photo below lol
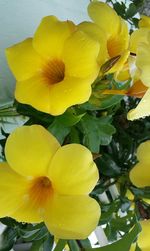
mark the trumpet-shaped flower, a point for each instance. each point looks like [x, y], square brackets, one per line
[140, 175]
[54, 69]
[42, 181]
[140, 44]
[114, 31]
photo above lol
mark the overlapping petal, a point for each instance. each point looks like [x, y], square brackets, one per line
[137, 37]
[23, 60]
[29, 150]
[51, 35]
[143, 62]
[28, 212]
[72, 217]
[101, 13]
[80, 54]
[73, 171]
[13, 188]
[94, 31]
[53, 99]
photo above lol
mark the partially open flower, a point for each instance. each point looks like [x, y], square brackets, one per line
[54, 69]
[140, 174]
[42, 181]
[113, 34]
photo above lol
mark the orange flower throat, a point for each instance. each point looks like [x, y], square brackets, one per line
[41, 190]
[54, 71]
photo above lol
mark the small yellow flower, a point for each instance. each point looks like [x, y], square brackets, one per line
[54, 69]
[140, 174]
[143, 239]
[113, 34]
[42, 181]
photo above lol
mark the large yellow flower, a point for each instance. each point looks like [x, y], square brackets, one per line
[140, 174]
[113, 34]
[140, 46]
[143, 239]
[42, 181]
[54, 69]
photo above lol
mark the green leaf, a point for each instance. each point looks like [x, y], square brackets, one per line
[69, 118]
[96, 131]
[62, 124]
[138, 248]
[123, 244]
[60, 245]
[43, 244]
[73, 245]
[59, 130]
[120, 8]
[8, 239]
[108, 166]
[34, 234]
[131, 11]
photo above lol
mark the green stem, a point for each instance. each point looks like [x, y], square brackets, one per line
[73, 245]
[60, 245]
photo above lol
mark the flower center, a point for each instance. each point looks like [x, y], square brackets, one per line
[54, 71]
[41, 190]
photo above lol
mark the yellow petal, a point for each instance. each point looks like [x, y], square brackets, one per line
[12, 190]
[143, 240]
[143, 152]
[143, 61]
[28, 212]
[103, 15]
[117, 44]
[56, 98]
[23, 60]
[97, 34]
[72, 217]
[142, 109]
[144, 22]
[138, 36]
[75, 164]
[140, 175]
[29, 150]
[80, 55]
[50, 36]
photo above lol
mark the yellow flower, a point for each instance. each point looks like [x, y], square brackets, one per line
[140, 44]
[140, 174]
[144, 21]
[54, 69]
[113, 35]
[143, 239]
[42, 181]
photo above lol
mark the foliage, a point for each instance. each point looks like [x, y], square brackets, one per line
[101, 125]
